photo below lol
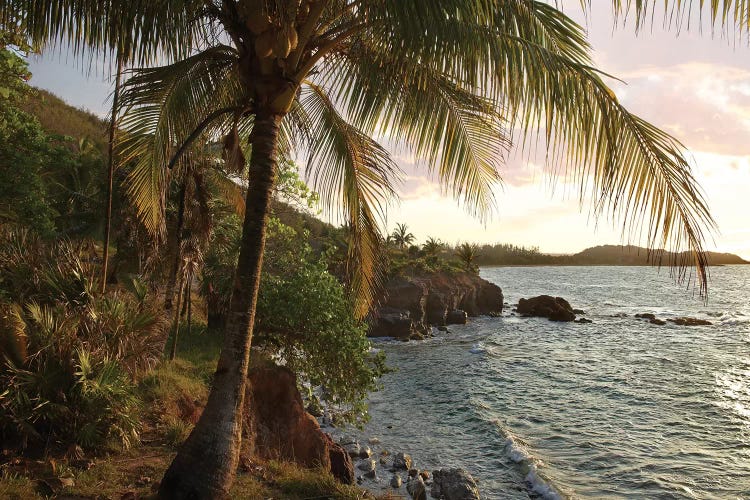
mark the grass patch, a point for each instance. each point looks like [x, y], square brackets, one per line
[16, 487]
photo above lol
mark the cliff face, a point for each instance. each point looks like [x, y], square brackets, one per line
[412, 304]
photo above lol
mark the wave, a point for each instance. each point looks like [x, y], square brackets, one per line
[537, 485]
[478, 349]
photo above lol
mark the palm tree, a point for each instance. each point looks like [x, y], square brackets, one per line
[432, 247]
[467, 253]
[401, 236]
[448, 79]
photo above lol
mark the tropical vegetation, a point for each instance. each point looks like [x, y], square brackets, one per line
[240, 85]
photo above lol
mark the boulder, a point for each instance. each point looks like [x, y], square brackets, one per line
[353, 449]
[689, 321]
[342, 467]
[583, 320]
[546, 306]
[366, 465]
[645, 316]
[456, 317]
[454, 484]
[402, 461]
[657, 321]
[416, 488]
[390, 323]
[395, 481]
[277, 427]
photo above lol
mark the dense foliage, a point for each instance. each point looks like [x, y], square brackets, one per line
[69, 357]
[304, 317]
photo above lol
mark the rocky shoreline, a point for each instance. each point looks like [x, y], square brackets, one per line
[382, 471]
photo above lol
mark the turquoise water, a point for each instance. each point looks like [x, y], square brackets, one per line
[618, 408]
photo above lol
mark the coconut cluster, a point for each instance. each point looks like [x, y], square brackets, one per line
[274, 24]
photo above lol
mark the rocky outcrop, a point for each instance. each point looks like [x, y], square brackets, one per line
[546, 306]
[411, 305]
[689, 322]
[454, 484]
[276, 425]
[684, 321]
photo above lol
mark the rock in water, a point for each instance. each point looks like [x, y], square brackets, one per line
[546, 306]
[396, 481]
[401, 461]
[353, 449]
[456, 317]
[454, 484]
[690, 322]
[416, 489]
[366, 465]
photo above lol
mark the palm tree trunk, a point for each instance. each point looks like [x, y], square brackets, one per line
[169, 292]
[173, 352]
[206, 464]
[110, 171]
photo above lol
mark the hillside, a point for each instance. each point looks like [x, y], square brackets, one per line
[58, 117]
[630, 255]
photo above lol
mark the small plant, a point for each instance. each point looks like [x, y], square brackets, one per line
[176, 431]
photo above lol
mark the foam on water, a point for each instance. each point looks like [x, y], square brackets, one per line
[528, 465]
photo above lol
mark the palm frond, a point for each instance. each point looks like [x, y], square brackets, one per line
[354, 175]
[164, 107]
[724, 14]
[139, 31]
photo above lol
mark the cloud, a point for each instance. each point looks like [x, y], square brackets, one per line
[705, 106]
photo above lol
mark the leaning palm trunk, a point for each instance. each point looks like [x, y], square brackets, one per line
[205, 466]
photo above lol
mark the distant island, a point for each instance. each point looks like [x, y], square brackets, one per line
[603, 255]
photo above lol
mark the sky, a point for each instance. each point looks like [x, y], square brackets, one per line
[694, 85]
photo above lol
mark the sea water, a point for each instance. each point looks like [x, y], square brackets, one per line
[619, 408]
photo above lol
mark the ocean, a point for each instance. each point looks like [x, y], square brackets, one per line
[619, 408]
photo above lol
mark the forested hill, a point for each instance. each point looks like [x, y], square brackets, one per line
[603, 255]
[635, 256]
[58, 117]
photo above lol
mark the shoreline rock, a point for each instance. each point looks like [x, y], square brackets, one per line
[454, 484]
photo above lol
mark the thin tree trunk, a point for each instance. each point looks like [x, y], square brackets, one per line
[183, 312]
[169, 292]
[189, 309]
[173, 353]
[111, 170]
[206, 464]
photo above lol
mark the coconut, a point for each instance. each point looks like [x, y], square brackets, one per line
[264, 43]
[255, 16]
[283, 44]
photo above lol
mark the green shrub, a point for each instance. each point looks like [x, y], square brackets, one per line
[68, 357]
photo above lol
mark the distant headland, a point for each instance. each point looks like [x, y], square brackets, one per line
[602, 255]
